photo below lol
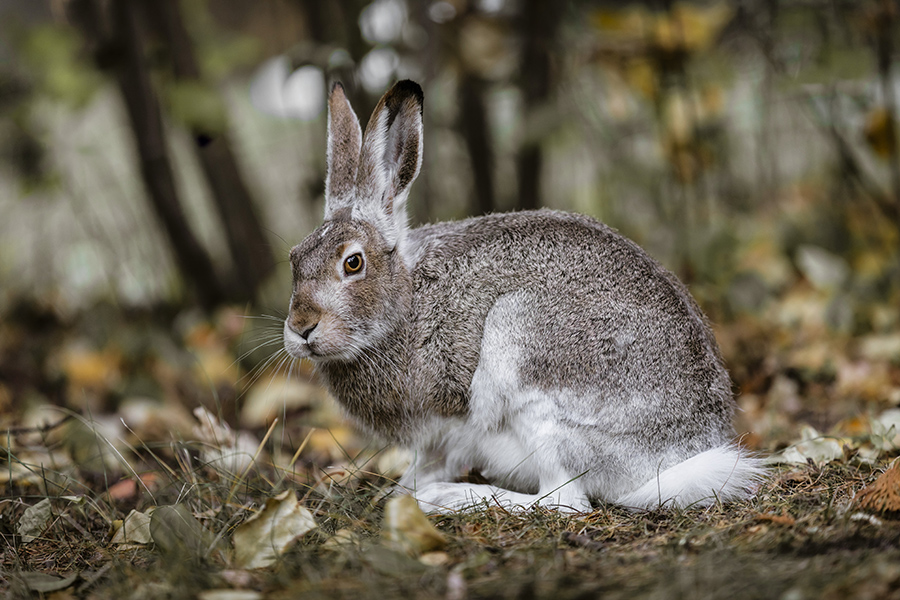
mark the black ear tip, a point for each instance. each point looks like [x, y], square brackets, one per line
[408, 87]
[335, 85]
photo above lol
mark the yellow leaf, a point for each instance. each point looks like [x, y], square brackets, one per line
[334, 441]
[640, 75]
[261, 539]
[408, 527]
[881, 132]
[632, 22]
[271, 395]
[216, 365]
[86, 368]
[691, 28]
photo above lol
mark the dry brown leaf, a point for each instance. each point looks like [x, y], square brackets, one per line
[271, 396]
[880, 132]
[408, 527]
[87, 368]
[133, 529]
[261, 539]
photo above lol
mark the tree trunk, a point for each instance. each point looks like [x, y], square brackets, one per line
[247, 242]
[121, 49]
[539, 22]
[474, 127]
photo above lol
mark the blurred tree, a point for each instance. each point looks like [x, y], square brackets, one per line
[111, 29]
[115, 32]
[539, 22]
[335, 26]
[880, 19]
[475, 128]
[250, 251]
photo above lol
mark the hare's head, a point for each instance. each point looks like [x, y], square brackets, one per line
[350, 284]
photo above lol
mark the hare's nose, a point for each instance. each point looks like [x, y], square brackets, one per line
[308, 331]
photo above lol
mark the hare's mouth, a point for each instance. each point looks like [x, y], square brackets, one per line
[295, 344]
[319, 346]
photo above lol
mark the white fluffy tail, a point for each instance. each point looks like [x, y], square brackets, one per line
[724, 473]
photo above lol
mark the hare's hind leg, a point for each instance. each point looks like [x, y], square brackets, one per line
[512, 435]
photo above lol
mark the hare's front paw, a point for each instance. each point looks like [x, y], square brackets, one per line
[451, 497]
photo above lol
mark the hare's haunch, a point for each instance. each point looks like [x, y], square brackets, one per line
[541, 348]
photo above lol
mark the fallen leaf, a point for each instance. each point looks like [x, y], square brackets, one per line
[886, 430]
[880, 132]
[880, 347]
[336, 480]
[813, 445]
[96, 444]
[34, 520]
[335, 443]
[407, 527]
[131, 487]
[178, 534]
[134, 529]
[261, 539]
[22, 471]
[271, 396]
[214, 363]
[87, 368]
[154, 419]
[223, 448]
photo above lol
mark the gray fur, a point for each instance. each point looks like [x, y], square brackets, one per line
[536, 346]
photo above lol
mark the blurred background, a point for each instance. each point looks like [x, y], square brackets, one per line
[158, 159]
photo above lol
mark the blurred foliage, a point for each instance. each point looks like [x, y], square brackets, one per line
[52, 56]
[196, 106]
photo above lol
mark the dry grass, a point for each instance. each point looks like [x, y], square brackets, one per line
[802, 536]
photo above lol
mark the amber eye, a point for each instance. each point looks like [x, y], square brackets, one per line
[353, 264]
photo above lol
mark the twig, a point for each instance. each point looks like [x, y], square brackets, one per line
[36, 429]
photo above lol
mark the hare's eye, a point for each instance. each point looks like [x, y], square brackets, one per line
[353, 264]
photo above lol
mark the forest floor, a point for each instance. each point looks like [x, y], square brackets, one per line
[117, 485]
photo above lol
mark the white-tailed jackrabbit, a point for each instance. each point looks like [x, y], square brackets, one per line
[541, 348]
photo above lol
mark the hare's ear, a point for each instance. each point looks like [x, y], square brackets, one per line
[344, 143]
[390, 161]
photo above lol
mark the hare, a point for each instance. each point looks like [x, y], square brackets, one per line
[541, 348]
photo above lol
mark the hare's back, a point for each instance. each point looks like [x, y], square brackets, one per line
[581, 308]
